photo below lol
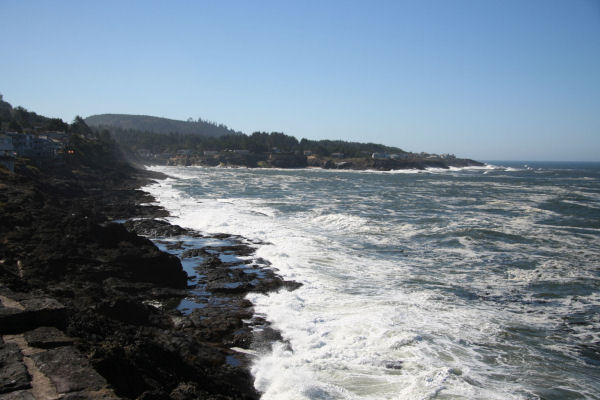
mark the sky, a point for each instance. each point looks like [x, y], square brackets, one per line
[484, 79]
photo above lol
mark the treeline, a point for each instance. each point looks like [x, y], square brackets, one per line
[93, 146]
[258, 142]
[149, 123]
[18, 119]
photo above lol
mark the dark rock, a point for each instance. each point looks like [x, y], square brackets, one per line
[287, 160]
[238, 249]
[155, 228]
[68, 370]
[13, 373]
[393, 364]
[186, 391]
[125, 310]
[18, 395]
[102, 394]
[175, 245]
[72, 269]
[157, 394]
[37, 312]
[47, 337]
[328, 164]
[191, 253]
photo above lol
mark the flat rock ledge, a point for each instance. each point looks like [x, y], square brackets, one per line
[40, 362]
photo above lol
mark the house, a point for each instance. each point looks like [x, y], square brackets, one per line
[241, 151]
[380, 156]
[337, 155]
[34, 146]
[6, 144]
[184, 152]
[57, 135]
[210, 152]
[42, 147]
[143, 152]
[402, 156]
[307, 153]
[7, 152]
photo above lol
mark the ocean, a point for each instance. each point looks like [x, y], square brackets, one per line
[475, 283]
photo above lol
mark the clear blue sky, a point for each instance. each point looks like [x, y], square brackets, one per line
[508, 80]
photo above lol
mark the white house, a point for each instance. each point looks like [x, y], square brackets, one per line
[380, 156]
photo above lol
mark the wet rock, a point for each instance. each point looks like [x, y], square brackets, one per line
[394, 364]
[220, 321]
[13, 373]
[191, 253]
[156, 228]
[237, 249]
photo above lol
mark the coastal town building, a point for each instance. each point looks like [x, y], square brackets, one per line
[40, 147]
[144, 153]
[380, 156]
[337, 155]
[7, 152]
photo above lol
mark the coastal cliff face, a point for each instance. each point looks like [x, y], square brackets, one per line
[79, 293]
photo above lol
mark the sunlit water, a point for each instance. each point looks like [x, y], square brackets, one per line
[476, 283]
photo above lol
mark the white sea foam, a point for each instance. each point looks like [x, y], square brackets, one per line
[386, 309]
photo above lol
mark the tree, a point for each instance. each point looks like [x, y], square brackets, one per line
[14, 126]
[79, 126]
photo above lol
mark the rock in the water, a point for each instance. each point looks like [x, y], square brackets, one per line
[156, 228]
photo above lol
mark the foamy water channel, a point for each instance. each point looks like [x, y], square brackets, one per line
[462, 284]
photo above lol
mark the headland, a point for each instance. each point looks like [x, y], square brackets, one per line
[90, 307]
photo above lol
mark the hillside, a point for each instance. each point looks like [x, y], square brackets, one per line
[159, 125]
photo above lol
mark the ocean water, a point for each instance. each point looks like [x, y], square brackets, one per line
[478, 283]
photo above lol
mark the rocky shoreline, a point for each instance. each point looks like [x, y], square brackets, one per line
[93, 309]
[291, 160]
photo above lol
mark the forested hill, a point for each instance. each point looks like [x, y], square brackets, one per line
[159, 125]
